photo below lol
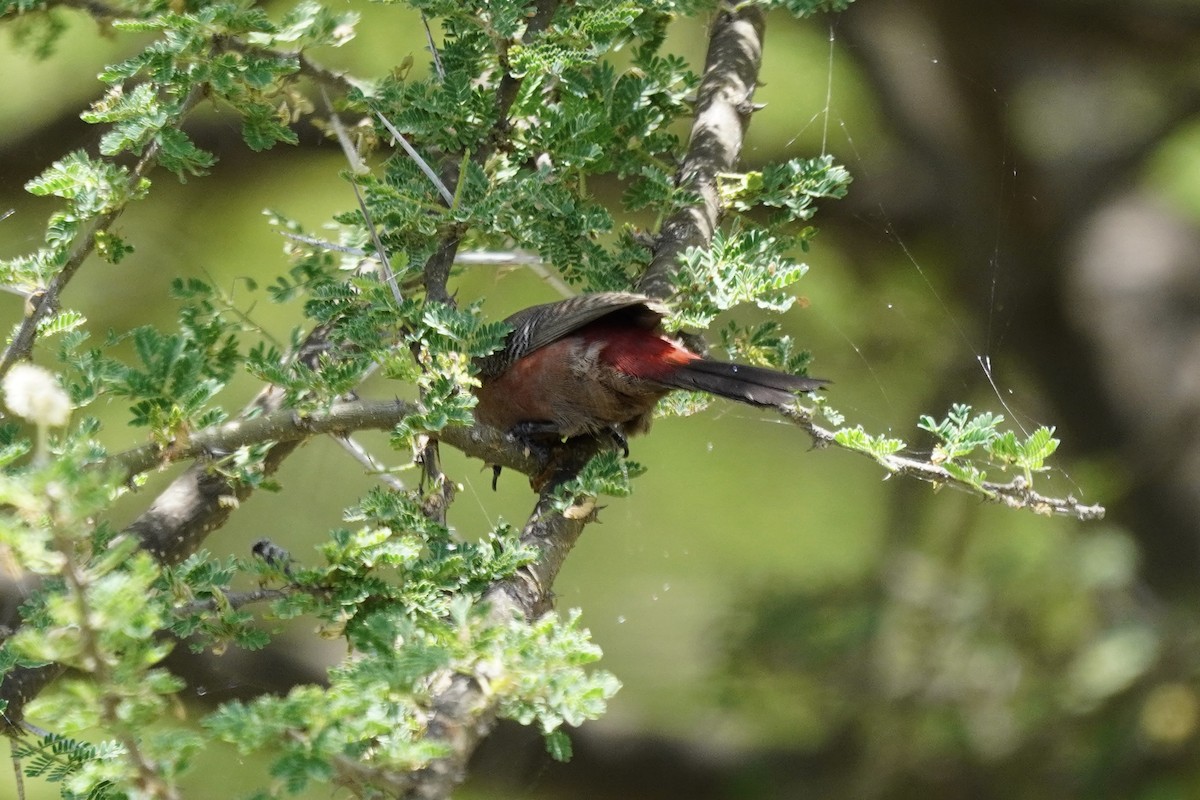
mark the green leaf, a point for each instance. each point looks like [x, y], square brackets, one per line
[94, 186]
[959, 434]
[744, 265]
[607, 473]
[807, 8]
[791, 186]
[879, 447]
[180, 155]
[1040, 445]
[262, 127]
[558, 745]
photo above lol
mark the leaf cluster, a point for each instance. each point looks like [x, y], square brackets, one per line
[960, 434]
[749, 261]
[406, 596]
[964, 446]
[56, 758]
[574, 114]
[171, 379]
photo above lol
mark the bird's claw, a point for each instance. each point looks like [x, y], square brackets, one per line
[532, 438]
[543, 442]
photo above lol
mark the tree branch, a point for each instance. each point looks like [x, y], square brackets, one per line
[1016, 494]
[232, 600]
[44, 304]
[286, 425]
[281, 425]
[463, 712]
[723, 109]
[437, 269]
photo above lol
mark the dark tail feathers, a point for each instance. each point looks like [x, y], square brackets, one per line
[754, 385]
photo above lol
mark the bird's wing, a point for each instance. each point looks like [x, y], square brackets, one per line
[549, 322]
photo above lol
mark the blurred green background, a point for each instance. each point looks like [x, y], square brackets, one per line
[1021, 235]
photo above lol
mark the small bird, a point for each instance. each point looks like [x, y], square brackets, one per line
[597, 364]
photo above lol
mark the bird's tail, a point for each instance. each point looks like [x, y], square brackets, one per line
[754, 385]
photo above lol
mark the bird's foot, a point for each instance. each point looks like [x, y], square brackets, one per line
[556, 458]
[537, 440]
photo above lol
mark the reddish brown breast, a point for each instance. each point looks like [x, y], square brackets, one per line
[527, 390]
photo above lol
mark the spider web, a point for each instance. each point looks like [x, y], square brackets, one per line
[978, 343]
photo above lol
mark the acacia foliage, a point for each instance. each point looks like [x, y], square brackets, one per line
[491, 146]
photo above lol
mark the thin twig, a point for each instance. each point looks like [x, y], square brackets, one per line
[44, 304]
[553, 281]
[324, 244]
[248, 321]
[358, 167]
[421, 162]
[437, 59]
[233, 600]
[360, 454]
[1016, 494]
[18, 775]
[341, 81]
[501, 258]
[486, 258]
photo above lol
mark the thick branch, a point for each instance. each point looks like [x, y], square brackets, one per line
[288, 425]
[200, 502]
[463, 712]
[280, 425]
[723, 113]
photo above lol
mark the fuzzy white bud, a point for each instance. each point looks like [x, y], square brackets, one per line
[33, 393]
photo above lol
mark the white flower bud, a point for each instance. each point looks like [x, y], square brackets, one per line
[33, 393]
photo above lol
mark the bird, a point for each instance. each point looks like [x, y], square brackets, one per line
[597, 364]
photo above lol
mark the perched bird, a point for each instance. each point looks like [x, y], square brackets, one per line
[597, 364]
